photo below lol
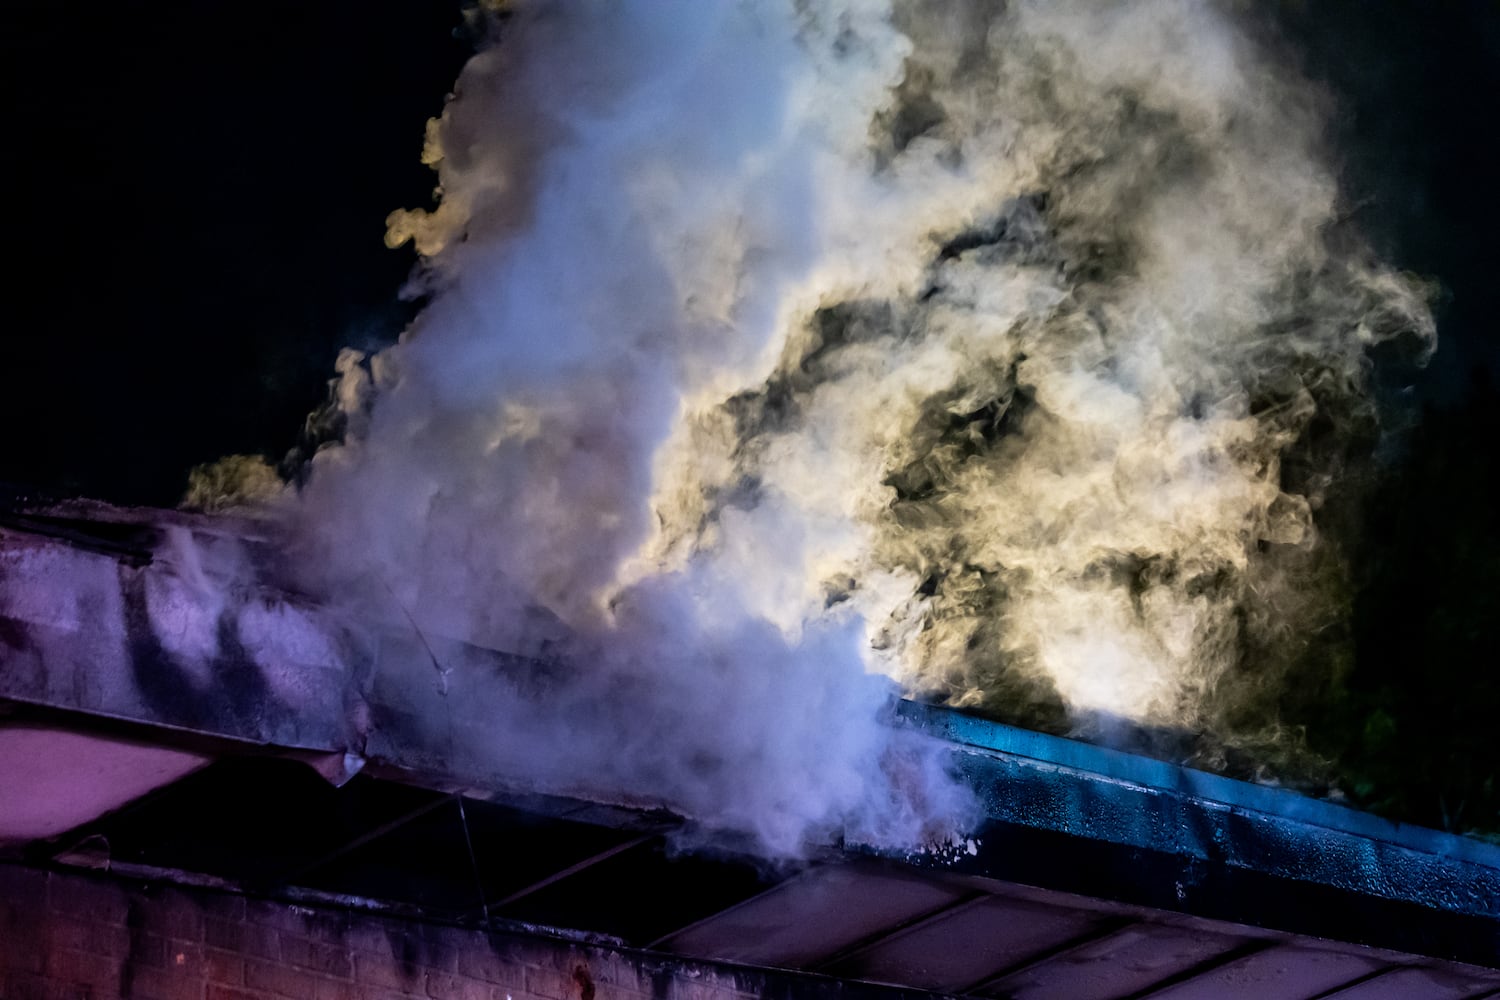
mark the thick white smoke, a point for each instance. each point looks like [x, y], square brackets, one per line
[776, 346]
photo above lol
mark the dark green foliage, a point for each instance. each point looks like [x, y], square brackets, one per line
[1414, 727]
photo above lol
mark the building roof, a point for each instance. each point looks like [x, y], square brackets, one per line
[1095, 873]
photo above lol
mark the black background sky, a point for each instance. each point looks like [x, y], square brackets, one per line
[196, 200]
[195, 196]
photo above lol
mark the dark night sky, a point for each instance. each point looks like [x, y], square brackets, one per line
[195, 211]
[197, 196]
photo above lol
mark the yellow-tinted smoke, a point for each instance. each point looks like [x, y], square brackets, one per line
[773, 343]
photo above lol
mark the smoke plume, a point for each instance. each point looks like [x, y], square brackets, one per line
[776, 349]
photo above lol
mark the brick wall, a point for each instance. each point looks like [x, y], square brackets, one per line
[67, 935]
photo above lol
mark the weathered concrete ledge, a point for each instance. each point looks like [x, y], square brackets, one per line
[152, 617]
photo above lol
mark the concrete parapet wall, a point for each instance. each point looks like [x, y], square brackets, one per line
[178, 634]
